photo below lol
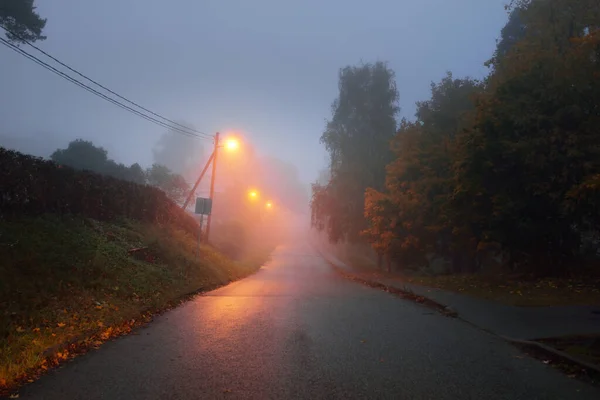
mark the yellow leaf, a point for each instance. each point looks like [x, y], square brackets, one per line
[61, 324]
[20, 329]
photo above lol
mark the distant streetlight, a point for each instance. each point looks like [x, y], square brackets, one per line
[253, 194]
[269, 204]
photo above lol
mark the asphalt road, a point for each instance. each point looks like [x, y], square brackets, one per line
[297, 330]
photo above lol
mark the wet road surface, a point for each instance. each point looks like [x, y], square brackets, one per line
[297, 330]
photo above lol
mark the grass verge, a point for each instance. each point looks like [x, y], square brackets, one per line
[70, 283]
[565, 364]
[583, 347]
[517, 291]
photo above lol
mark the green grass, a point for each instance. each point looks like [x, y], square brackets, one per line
[68, 278]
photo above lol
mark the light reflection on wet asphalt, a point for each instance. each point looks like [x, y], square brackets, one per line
[297, 330]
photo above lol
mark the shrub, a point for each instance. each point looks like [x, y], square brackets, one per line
[31, 185]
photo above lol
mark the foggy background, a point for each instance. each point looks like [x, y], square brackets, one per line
[265, 68]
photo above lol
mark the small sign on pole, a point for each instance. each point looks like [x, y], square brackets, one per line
[203, 206]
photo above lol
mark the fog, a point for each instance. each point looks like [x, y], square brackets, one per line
[265, 71]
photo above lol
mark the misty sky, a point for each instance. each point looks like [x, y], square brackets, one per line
[267, 68]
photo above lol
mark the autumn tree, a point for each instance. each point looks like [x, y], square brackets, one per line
[357, 139]
[534, 147]
[411, 217]
[21, 21]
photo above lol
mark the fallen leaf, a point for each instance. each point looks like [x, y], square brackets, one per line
[20, 329]
[14, 396]
[363, 341]
[61, 324]
[546, 361]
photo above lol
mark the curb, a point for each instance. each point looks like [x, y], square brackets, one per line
[447, 311]
[406, 294]
[560, 354]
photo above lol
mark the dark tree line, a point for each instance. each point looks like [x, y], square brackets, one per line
[84, 155]
[509, 165]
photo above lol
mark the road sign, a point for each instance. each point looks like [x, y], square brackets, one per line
[203, 206]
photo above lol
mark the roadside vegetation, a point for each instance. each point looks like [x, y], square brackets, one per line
[84, 262]
[492, 188]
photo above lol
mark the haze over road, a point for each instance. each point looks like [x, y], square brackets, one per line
[297, 330]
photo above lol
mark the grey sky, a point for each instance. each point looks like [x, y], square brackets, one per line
[265, 67]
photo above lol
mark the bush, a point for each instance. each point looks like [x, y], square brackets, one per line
[33, 186]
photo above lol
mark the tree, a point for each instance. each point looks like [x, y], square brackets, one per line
[512, 33]
[534, 139]
[411, 218]
[21, 21]
[174, 185]
[357, 139]
[137, 174]
[82, 154]
[181, 154]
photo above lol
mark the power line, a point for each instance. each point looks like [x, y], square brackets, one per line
[189, 132]
[93, 91]
[103, 87]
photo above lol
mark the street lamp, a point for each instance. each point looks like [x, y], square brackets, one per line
[253, 194]
[230, 144]
[269, 205]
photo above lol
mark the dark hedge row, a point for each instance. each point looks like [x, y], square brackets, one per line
[31, 185]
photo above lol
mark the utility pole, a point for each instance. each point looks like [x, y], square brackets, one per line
[212, 183]
[189, 197]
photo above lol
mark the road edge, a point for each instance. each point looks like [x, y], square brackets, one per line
[83, 344]
[448, 311]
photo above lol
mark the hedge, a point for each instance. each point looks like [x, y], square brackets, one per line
[31, 185]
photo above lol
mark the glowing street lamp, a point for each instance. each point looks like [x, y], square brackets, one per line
[253, 194]
[269, 205]
[232, 144]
